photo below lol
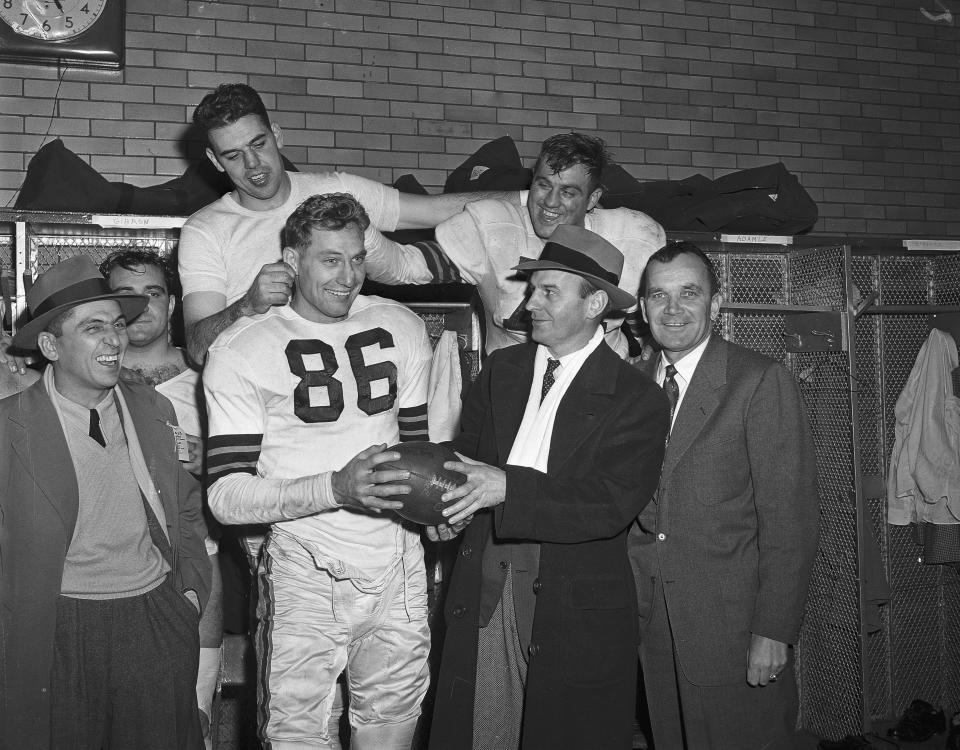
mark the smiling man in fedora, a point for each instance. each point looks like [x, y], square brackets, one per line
[103, 569]
[541, 610]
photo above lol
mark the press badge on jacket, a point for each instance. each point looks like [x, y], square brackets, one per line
[180, 440]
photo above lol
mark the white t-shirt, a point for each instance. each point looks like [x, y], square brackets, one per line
[224, 245]
[289, 398]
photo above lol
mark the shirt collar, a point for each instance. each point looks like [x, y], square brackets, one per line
[686, 365]
[77, 410]
[544, 354]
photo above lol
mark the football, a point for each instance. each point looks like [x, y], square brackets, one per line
[428, 480]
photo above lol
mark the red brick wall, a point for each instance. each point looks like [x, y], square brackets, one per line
[859, 99]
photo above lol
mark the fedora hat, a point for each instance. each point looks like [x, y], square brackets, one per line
[69, 283]
[579, 251]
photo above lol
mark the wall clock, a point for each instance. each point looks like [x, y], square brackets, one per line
[87, 33]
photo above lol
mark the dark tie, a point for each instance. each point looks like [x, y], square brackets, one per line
[548, 379]
[95, 432]
[671, 388]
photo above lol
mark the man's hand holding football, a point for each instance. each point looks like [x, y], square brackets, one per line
[360, 484]
[486, 486]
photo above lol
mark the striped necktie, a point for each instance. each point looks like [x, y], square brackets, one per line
[671, 388]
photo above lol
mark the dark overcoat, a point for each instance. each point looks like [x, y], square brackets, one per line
[603, 467]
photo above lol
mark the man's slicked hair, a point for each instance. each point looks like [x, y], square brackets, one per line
[674, 249]
[226, 104]
[330, 211]
[133, 260]
[565, 150]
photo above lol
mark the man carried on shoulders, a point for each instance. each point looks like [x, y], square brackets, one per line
[482, 244]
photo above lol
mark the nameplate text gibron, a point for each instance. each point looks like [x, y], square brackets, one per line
[134, 221]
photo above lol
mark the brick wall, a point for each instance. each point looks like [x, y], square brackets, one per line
[859, 99]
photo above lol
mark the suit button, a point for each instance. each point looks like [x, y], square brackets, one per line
[661, 536]
[459, 611]
[504, 564]
[534, 649]
[537, 586]
[466, 551]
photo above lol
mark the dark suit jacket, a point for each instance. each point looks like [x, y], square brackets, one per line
[737, 507]
[604, 461]
[38, 510]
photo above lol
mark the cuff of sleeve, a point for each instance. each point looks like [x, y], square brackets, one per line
[306, 495]
[323, 488]
[391, 210]
[192, 283]
[515, 519]
[775, 631]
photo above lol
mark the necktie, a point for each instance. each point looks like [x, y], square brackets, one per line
[671, 388]
[95, 432]
[548, 379]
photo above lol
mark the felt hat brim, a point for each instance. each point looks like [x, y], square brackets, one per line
[131, 305]
[619, 299]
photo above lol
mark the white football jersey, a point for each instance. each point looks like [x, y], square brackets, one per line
[289, 398]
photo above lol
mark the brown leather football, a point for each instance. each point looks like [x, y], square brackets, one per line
[428, 479]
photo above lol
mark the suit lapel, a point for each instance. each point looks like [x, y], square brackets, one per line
[699, 402]
[151, 431]
[38, 440]
[587, 399]
[156, 444]
[510, 387]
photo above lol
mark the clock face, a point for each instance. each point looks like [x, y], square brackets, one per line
[51, 20]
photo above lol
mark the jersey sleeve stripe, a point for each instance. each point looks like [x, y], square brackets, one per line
[420, 433]
[443, 269]
[413, 423]
[412, 412]
[229, 454]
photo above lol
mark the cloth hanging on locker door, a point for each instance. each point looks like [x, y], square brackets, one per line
[923, 483]
[446, 385]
